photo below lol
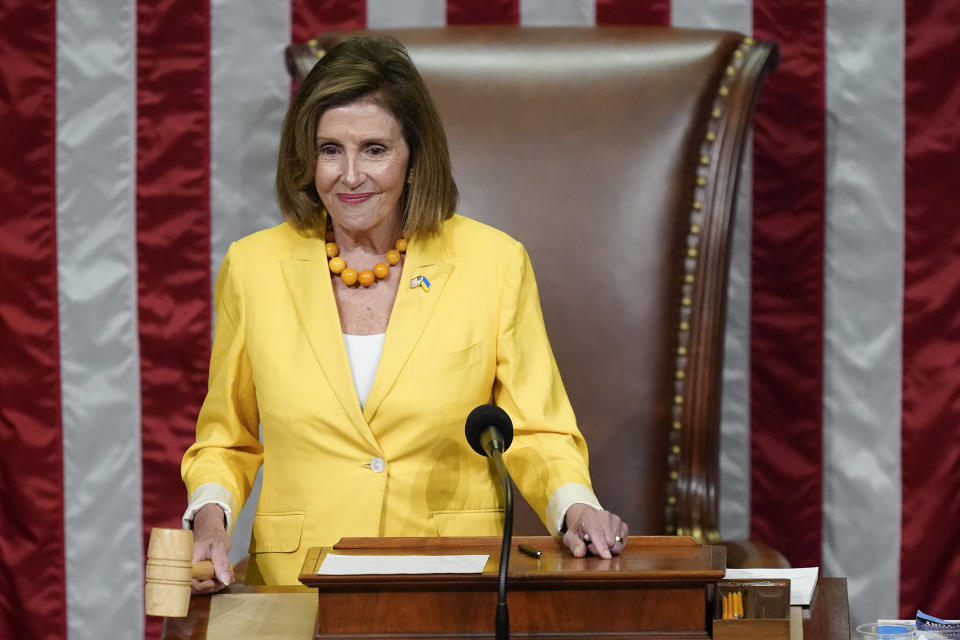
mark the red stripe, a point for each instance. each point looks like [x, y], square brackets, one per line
[310, 18]
[930, 448]
[786, 330]
[32, 579]
[173, 242]
[488, 12]
[651, 12]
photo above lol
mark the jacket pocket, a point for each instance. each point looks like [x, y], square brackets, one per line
[445, 362]
[469, 522]
[276, 532]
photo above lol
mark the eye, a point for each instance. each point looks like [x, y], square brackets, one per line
[376, 150]
[327, 150]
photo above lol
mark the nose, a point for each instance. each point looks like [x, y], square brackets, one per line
[352, 175]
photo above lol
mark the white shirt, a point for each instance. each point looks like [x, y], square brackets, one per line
[364, 353]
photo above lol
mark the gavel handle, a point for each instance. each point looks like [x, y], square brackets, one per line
[203, 570]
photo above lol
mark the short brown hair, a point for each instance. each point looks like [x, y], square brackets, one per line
[377, 68]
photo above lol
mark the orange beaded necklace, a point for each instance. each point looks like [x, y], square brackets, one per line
[349, 276]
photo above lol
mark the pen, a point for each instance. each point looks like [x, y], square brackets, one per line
[530, 551]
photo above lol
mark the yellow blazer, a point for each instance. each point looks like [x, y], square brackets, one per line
[279, 361]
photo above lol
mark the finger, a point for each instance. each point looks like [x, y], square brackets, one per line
[595, 537]
[200, 552]
[609, 525]
[612, 527]
[621, 538]
[602, 534]
[599, 545]
[221, 564]
[203, 587]
[576, 545]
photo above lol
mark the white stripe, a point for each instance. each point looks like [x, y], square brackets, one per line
[249, 91]
[735, 401]
[390, 14]
[863, 302]
[735, 410]
[735, 15]
[96, 134]
[558, 13]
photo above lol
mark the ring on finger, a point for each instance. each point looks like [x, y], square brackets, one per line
[619, 538]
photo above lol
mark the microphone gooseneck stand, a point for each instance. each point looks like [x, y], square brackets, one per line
[489, 432]
[503, 616]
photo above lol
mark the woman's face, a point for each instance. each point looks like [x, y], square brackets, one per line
[361, 166]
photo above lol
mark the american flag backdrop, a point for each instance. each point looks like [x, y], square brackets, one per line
[138, 139]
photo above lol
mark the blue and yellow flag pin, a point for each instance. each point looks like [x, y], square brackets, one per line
[420, 281]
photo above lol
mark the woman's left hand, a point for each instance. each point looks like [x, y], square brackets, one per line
[600, 532]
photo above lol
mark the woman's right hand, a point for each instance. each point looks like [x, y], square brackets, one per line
[210, 542]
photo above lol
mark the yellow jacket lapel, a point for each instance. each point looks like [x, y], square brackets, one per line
[308, 282]
[411, 313]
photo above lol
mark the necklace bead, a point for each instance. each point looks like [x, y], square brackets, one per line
[366, 277]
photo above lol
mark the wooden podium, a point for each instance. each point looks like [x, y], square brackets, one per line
[655, 583]
[657, 588]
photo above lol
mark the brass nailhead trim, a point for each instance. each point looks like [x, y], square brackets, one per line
[695, 230]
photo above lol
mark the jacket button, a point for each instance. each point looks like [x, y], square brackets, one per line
[377, 465]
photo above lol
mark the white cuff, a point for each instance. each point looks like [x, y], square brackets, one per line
[565, 497]
[205, 494]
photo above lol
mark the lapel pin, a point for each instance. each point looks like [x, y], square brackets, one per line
[420, 281]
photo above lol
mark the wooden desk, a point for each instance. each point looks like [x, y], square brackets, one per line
[828, 617]
[658, 583]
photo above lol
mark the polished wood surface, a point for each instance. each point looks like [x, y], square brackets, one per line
[827, 618]
[647, 559]
[656, 585]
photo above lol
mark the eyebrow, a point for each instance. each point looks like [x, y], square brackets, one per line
[382, 141]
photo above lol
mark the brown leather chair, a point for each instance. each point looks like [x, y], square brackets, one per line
[613, 155]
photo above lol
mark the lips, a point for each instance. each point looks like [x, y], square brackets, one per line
[354, 198]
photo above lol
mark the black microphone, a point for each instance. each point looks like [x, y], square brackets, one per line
[490, 432]
[488, 428]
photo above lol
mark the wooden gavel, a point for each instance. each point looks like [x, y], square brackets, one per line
[168, 573]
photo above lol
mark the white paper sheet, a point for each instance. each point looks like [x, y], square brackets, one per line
[343, 565]
[802, 580]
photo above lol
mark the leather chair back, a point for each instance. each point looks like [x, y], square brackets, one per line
[613, 155]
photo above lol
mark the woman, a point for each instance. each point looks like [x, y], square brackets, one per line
[360, 334]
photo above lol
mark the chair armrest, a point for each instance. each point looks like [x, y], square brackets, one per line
[744, 554]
